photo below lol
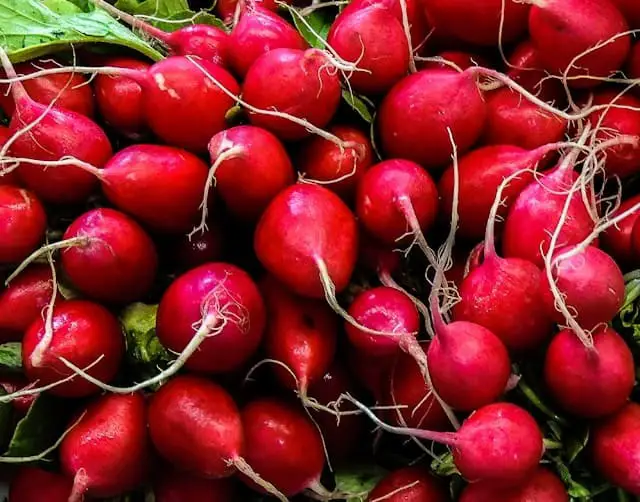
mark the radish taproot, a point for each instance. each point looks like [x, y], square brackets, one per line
[177, 486]
[409, 484]
[23, 223]
[617, 240]
[30, 483]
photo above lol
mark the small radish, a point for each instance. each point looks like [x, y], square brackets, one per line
[617, 240]
[258, 31]
[526, 68]
[424, 105]
[315, 84]
[107, 452]
[177, 486]
[338, 169]
[409, 484]
[120, 255]
[582, 37]
[23, 223]
[589, 383]
[30, 483]
[190, 252]
[222, 299]
[11, 383]
[309, 227]
[82, 333]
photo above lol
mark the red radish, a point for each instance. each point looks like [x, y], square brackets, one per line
[372, 373]
[301, 333]
[615, 448]
[308, 226]
[424, 105]
[22, 301]
[222, 298]
[409, 484]
[394, 197]
[339, 169]
[563, 30]
[85, 334]
[526, 68]
[631, 11]
[23, 223]
[10, 176]
[257, 32]
[30, 483]
[119, 99]
[462, 60]
[176, 486]
[542, 485]
[590, 283]
[617, 240]
[107, 452]
[375, 40]
[188, 252]
[315, 89]
[250, 167]
[589, 383]
[120, 255]
[15, 383]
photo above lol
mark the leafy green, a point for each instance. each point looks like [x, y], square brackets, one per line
[11, 356]
[164, 14]
[629, 315]
[37, 430]
[313, 27]
[360, 104]
[356, 482]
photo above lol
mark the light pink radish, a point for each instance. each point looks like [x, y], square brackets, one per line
[177, 486]
[409, 484]
[617, 240]
[30, 483]
[526, 68]
[23, 223]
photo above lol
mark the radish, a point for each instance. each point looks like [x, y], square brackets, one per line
[308, 226]
[633, 63]
[373, 38]
[107, 452]
[203, 247]
[460, 59]
[589, 383]
[617, 240]
[543, 485]
[258, 31]
[409, 484]
[224, 301]
[309, 74]
[176, 486]
[226, 9]
[47, 343]
[120, 255]
[579, 38]
[7, 176]
[339, 169]
[250, 167]
[409, 113]
[526, 68]
[635, 242]
[30, 483]
[13, 384]
[615, 448]
[21, 302]
[23, 223]
[631, 11]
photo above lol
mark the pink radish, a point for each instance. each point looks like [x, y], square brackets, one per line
[574, 36]
[526, 68]
[308, 226]
[250, 167]
[189, 252]
[177, 486]
[120, 255]
[30, 483]
[309, 73]
[219, 296]
[617, 240]
[23, 223]
[81, 332]
[589, 383]
[631, 11]
[409, 484]
[107, 452]
[409, 113]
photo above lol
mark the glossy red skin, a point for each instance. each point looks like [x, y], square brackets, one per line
[10, 178]
[534, 215]
[191, 119]
[201, 248]
[383, 309]
[82, 332]
[462, 60]
[542, 485]
[122, 258]
[249, 180]
[505, 295]
[322, 160]
[301, 333]
[372, 373]
[13, 383]
[258, 31]
[119, 99]
[282, 445]
[30, 483]
[480, 173]
[110, 445]
[477, 23]
[160, 186]
[176, 486]
[409, 484]
[312, 90]
[202, 40]
[195, 424]
[305, 223]
[23, 223]
[617, 240]
[592, 286]
[181, 308]
[408, 114]
[615, 444]
[513, 120]
[589, 384]
[376, 39]
[631, 11]
[563, 29]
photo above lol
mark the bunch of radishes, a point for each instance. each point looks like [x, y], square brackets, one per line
[310, 287]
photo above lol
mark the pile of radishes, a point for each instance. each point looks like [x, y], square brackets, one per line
[385, 233]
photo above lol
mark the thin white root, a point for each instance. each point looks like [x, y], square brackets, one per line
[407, 32]
[243, 467]
[45, 342]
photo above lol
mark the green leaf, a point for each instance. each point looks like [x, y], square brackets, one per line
[357, 482]
[164, 14]
[29, 29]
[313, 27]
[360, 104]
[37, 430]
[444, 465]
[629, 314]
[11, 356]
[576, 443]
